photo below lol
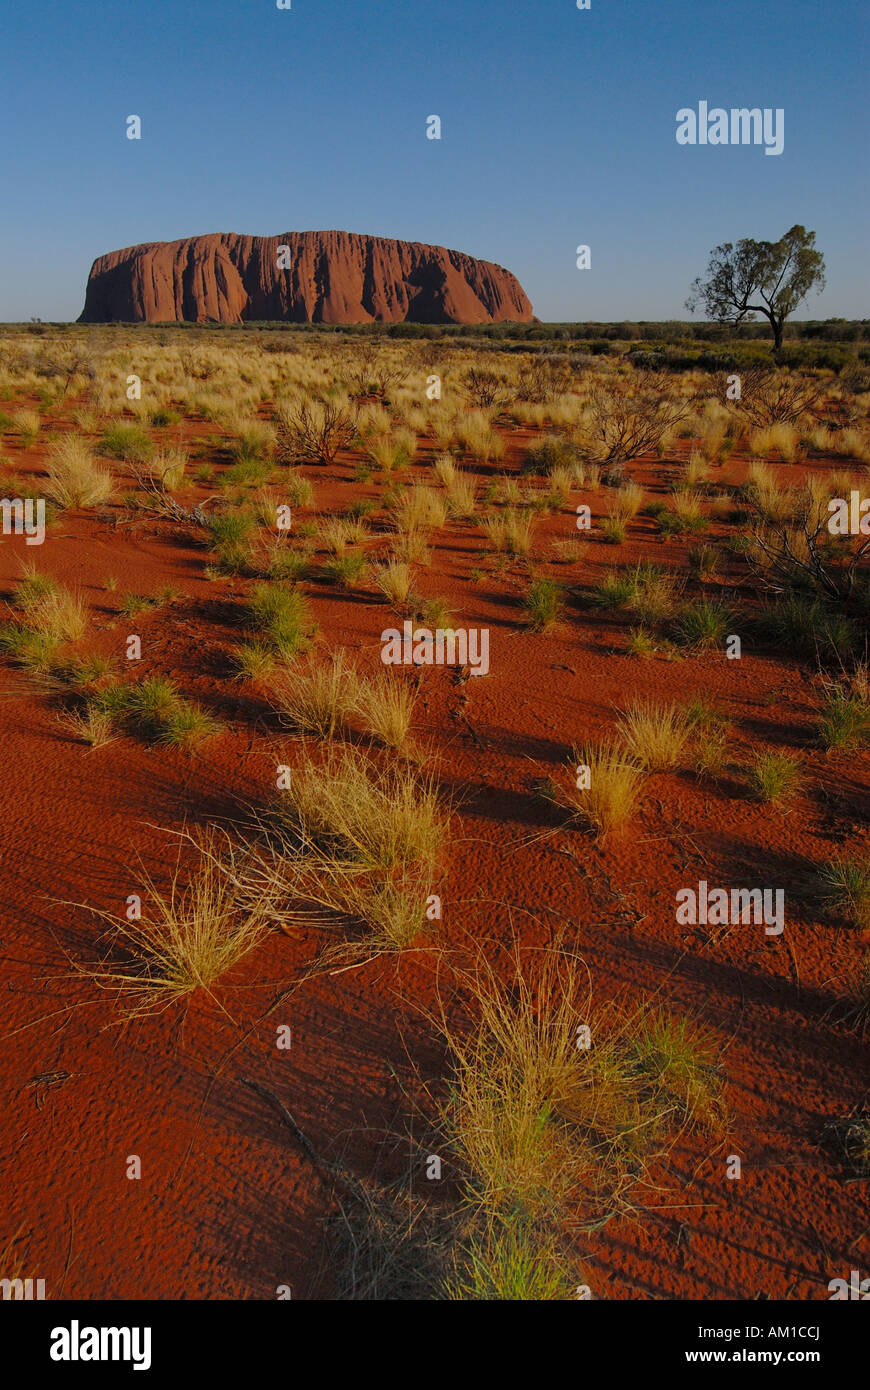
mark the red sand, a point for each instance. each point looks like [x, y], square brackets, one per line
[229, 1205]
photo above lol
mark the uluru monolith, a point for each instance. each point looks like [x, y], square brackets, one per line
[299, 277]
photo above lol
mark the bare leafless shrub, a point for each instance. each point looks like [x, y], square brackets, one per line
[374, 374]
[545, 379]
[157, 497]
[769, 398]
[313, 431]
[485, 389]
[632, 420]
[798, 552]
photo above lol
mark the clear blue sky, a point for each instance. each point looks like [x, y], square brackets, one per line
[559, 128]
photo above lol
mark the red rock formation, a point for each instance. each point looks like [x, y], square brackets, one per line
[334, 277]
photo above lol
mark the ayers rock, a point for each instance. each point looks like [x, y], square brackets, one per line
[334, 277]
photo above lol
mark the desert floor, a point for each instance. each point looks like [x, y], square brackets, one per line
[231, 1204]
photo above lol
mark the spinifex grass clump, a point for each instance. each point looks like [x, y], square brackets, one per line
[695, 474]
[255, 661]
[134, 604]
[345, 570]
[92, 725]
[476, 436]
[230, 528]
[254, 445]
[386, 707]
[649, 592]
[391, 908]
[128, 442]
[352, 841]
[513, 1066]
[548, 453]
[462, 496]
[151, 703]
[168, 468]
[339, 532]
[394, 579]
[188, 726]
[705, 623]
[48, 607]
[434, 612]
[627, 501]
[510, 533]
[710, 731]
[654, 593]
[28, 424]
[33, 588]
[774, 777]
[421, 509]
[569, 552]
[606, 786]
[704, 561]
[85, 675]
[75, 479]
[762, 489]
[298, 489]
[615, 590]
[155, 708]
[561, 484]
[282, 562]
[678, 1063]
[350, 812]
[444, 468]
[543, 604]
[229, 536]
[852, 1134]
[320, 698]
[846, 889]
[190, 932]
[281, 618]
[410, 548]
[845, 718]
[655, 735]
[641, 643]
[683, 515]
[807, 627]
[33, 650]
[510, 1261]
[45, 615]
[556, 1111]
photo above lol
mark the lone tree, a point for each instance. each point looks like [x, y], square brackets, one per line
[778, 273]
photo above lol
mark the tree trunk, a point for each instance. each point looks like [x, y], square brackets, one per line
[777, 337]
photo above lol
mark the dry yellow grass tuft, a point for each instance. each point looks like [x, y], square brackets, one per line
[386, 705]
[395, 580]
[606, 787]
[421, 509]
[552, 1128]
[190, 933]
[627, 502]
[655, 734]
[318, 698]
[348, 812]
[75, 479]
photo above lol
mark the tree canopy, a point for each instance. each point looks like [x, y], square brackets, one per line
[760, 277]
